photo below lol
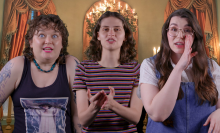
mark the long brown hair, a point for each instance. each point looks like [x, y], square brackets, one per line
[127, 52]
[204, 85]
[50, 21]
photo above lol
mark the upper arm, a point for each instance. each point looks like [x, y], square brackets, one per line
[216, 76]
[71, 68]
[218, 104]
[10, 77]
[148, 92]
[82, 100]
[136, 103]
[148, 83]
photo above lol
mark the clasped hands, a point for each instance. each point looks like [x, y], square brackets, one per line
[101, 100]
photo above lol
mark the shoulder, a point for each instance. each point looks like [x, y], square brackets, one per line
[214, 66]
[71, 61]
[132, 64]
[14, 69]
[13, 63]
[148, 62]
[148, 65]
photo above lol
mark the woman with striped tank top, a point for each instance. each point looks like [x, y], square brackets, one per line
[106, 84]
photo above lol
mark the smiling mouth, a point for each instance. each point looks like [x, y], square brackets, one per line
[47, 49]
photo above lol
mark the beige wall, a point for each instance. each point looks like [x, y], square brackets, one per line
[1, 18]
[218, 19]
[150, 20]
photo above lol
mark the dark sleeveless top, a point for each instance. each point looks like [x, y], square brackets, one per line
[39, 110]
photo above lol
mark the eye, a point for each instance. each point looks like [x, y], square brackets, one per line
[116, 29]
[187, 30]
[41, 35]
[55, 36]
[106, 29]
[173, 29]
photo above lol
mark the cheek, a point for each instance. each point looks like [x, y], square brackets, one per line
[121, 36]
[170, 39]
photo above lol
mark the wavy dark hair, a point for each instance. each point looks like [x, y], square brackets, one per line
[127, 52]
[49, 21]
[204, 85]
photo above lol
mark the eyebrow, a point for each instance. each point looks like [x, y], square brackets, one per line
[43, 30]
[177, 25]
[109, 26]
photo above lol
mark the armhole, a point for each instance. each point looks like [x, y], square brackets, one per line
[24, 72]
[76, 62]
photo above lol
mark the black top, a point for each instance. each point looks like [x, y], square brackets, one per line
[39, 110]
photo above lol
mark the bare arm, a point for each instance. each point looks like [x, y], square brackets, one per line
[10, 76]
[71, 66]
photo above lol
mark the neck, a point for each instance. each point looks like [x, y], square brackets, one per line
[45, 62]
[110, 58]
[175, 57]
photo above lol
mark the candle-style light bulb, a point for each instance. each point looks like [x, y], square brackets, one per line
[118, 5]
[158, 49]
[126, 6]
[154, 51]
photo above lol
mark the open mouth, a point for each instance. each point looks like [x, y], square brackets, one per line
[179, 43]
[47, 49]
[111, 40]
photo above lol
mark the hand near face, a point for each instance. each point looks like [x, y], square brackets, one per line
[110, 97]
[214, 120]
[98, 99]
[187, 54]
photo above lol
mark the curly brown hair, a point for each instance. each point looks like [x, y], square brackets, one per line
[204, 85]
[49, 21]
[127, 52]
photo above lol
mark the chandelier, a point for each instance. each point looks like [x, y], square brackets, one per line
[114, 6]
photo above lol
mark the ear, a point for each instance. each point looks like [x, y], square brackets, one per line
[31, 43]
[98, 36]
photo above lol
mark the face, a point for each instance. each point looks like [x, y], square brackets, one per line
[177, 43]
[46, 43]
[111, 34]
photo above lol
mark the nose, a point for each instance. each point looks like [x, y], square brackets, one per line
[48, 40]
[111, 32]
[180, 33]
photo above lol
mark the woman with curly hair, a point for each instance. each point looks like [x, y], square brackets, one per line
[180, 85]
[44, 74]
[106, 84]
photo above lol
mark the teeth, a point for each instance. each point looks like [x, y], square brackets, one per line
[179, 43]
[47, 49]
[110, 40]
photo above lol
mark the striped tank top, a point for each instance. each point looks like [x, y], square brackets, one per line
[91, 75]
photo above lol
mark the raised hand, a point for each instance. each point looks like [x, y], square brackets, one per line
[187, 54]
[214, 120]
[98, 99]
[110, 98]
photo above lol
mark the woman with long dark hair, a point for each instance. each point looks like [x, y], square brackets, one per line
[180, 85]
[106, 84]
